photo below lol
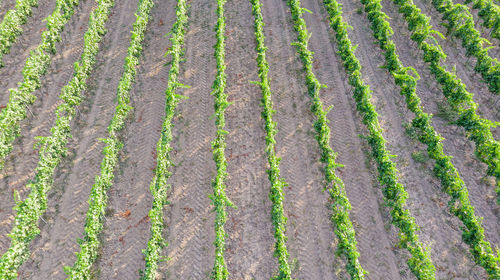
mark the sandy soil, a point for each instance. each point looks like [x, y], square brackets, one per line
[14, 62]
[251, 236]
[189, 216]
[40, 119]
[57, 245]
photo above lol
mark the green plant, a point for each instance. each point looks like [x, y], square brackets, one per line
[341, 206]
[52, 148]
[406, 78]
[35, 68]
[98, 201]
[10, 27]
[276, 194]
[158, 185]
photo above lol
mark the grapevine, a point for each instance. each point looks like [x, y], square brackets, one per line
[277, 183]
[459, 205]
[159, 186]
[395, 194]
[10, 27]
[90, 244]
[36, 66]
[478, 129]
[461, 25]
[219, 198]
[52, 149]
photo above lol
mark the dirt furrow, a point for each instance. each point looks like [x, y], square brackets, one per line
[126, 228]
[313, 238]
[190, 222]
[481, 191]
[58, 245]
[425, 196]
[489, 107]
[251, 239]
[10, 73]
[19, 168]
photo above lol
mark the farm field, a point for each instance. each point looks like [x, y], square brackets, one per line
[249, 139]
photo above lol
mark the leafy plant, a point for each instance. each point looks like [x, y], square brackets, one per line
[489, 12]
[459, 205]
[159, 186]
[478, 129]
[341, 206]
[52, 148]
[394, 192]
[10, 27]
[98, 201]
[219, 198]
[461, 25]
[36, 66]
[277, 183]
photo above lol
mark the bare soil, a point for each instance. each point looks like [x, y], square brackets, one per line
[189, 215]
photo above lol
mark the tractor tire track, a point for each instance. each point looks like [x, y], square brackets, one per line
[19, 168]
[315, 235]
[190, 230]
[250, 245]
[14, 61]
[126, 228]
[58, 245]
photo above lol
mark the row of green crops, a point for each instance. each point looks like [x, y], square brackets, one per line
[53, 148]
[10, 27]
[159, 186]
[277, 184]
[478, 129]
[36, 66]
[459, 205]
[341, 206]
[395, 194]
[219, 198]
[490, 13]
[90, 244]
[461, 25]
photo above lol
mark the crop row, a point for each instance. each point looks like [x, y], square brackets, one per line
[452, 184]
[10, 27]
[341, 206]
[36, 66]
[53, 148]
[490, 13]
[219, 198]
[395, 194]
[277, 183]
[478, 129]
[461, 25]
[159, 186]
[90, 244]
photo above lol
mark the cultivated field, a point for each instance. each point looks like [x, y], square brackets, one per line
[249, 139]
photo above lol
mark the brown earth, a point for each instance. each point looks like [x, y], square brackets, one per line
[189, 216]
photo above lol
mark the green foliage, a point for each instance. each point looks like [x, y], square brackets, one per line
[159, 186]
[489, 12]
[98, 201]
[341, 206]
[53, 148]
[277, 184]
[395, 194]
[36, 66]
[460, 100]
[219, 198]
[459, 205]
[419, 157]
[10, 27]
[461, 25]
